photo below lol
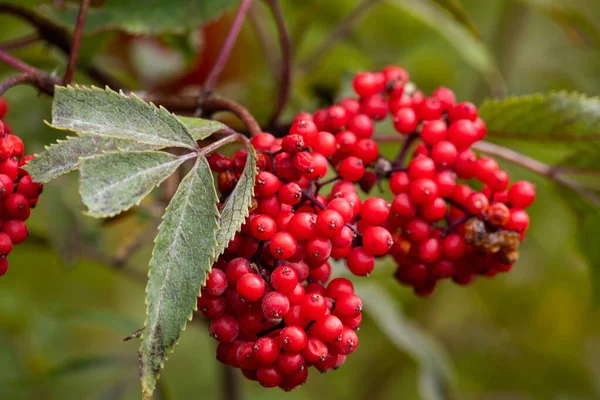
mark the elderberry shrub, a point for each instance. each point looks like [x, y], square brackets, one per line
[272, 309]
[18, 193]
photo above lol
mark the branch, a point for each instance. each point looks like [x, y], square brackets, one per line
[31, 75]
[522, 160]
[210, 105]
[76, 44]
[56, 35]
[286, 63]
[231, 383]
[217, 68]
[21, 42]
[343, 29]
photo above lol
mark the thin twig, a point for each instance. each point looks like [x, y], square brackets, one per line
[43, 85]
[17, 64]
[217, 68]
[76, 44]
[209, 105]
[236, 137]
[286, 63]
[343, 29]
[399, 161]
[58, 36]
[231, 383]
[21, 42]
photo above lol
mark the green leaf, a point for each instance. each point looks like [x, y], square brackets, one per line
[181, 260]
[437, 376]
[202, 128]
[588, 231]
[578, 26]
[458, 12]
[64, 156]
[472, 50]
[114, 182]
[555, 116]
[108, 113]
[149, 17]
[237, 206]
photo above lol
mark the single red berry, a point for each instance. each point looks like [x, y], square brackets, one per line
[351, 105]
[377, 240]
[290, 193]
[315, 350]
[318, 167]
[16, 230]
[284, 279]
[269, 377]
[421, 167]
[360, 262]
[366, 150]
[399, 182]
[339, 286]
[318, 251]
[430, 109]
[465, 165]
[462, 134]
[283, 245]
[366, 84]
[237, 268]
[498, 214]
[290, 363]
[347, 342]
[345, 140]
[351, 169]
[211, 307]
[321, 273]
[521, 194]
[375, 106]
[305, 128]
[218, 162]
[262, 141]
[477, 203]
[16, 206]
[262, 227]
[328, 328]
[348, 306]
[446, 183]
[519, 220]
[292, 144]
[361, 125]
[405, 121]
[224, 328]
[303, 226]
[329, 223]
[464, 110]
[250, 287]
[429, 250]
[434, 211]
[343, 207]
[343, 239]
[423, 191]
[445, 96]
[485, 169]
[375, 211]
[454, 247]
[416, 230]
[433, 132]
[216, 282]
[325, 144]
[266, 351]
[444, 154]
[293, 339]
[275, 305]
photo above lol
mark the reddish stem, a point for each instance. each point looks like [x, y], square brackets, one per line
[76, 44]
[217, 68]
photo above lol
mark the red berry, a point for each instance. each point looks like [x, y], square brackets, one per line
[284, 279]
[267, 184]
[361, 125]
[290, 363]
[327, 328]
[434, 211]
[348, 306]
[519, 220]
[266, 351]
[375, 211]
[303, 226]
[237, 268]
[377, 240]
[290, 193]
[216, 283]
[262, 227]
[292, 144]
[351, 169]
[423, 191]
[275, 305]
[293, 339]
[16, 230]
[464, 110]
[462, 134]
[224, 328]
[211, 307]
[445, 96]
[269, 377]
[421, 167]
[250, 287]
[347, 342]
[367, 83]
[305, 128]
[263, 141]
[498, 214]
[433, 132]
[318, 167]
[318, 251]
[283, 245]
[405, 121]
[339, 286]
[521, 194]
[3, 266]
[16, 206]
[315, 350]
[360, 262]
[313, 306]
[444, 153]
[325, 144]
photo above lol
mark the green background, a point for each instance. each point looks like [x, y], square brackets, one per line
[531, 334]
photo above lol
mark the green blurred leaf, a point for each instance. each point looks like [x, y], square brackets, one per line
[108, 113]
[181, 260]
[150, 17]
[114, 182]
[458, 12]
[588, 232]
[472, 50]
[578, 26]
[237, 206]
[556, 116]
[437, 376]
[201, 128]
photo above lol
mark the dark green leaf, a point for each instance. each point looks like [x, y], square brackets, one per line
[237, 206]
[458, 12]
[114, 182]
[556, 116]
[181, 260]
[472, 50]
[108, 113]
[437, 376]
[142, 16]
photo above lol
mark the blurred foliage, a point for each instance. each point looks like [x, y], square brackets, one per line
[529, 334]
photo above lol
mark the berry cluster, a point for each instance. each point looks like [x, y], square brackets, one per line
[18, 193]
[272, 310]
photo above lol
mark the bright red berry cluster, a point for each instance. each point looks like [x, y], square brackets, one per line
[271, 307]
[18, 193]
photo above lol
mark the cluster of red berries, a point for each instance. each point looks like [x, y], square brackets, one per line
[18, 193]
[272, 310]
